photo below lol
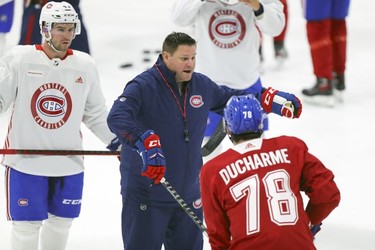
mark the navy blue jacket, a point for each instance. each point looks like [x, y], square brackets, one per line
[148, 103]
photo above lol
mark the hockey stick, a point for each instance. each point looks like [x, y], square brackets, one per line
[184, 206]
[214, 141]
[56, 152]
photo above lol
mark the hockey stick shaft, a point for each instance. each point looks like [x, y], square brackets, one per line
[214, 141]
[55, 152]
[184, 206]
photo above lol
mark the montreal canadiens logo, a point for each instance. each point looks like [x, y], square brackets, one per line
[197, 204]
[51, 105]
[23, 202]
[196, 101]
[227, 28]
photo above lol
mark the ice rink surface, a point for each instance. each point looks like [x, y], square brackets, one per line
[342, 137]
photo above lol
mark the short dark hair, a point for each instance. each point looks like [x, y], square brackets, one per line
[236, 138]
[175, 39]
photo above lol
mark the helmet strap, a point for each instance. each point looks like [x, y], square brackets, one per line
[49, 38]
[49, 42]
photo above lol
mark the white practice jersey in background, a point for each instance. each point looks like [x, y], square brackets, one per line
[228, 38]
[50, 98]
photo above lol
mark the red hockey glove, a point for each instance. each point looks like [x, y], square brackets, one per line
[152, 155]
[281, 103]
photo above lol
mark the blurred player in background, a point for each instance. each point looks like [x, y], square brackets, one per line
[280, 52]
[229, 40]
[52, 90]
[327, 37]
[6, 21]
[30, 32]
[251, 194]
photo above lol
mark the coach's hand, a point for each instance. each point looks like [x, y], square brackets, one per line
[152, 155]
[281, 103]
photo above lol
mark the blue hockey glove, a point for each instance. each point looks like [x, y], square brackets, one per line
[281, 103]
[114, 144]
[315, 228]
[152, 155]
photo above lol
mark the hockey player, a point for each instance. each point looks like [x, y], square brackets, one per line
[6, 21]
[52, 89]
[279, 41]
[326, 33]
[228, 32]
[280, 52]
[30, 26]
[162, 114]
[251, 194]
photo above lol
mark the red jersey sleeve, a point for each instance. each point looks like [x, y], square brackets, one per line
[318, 184]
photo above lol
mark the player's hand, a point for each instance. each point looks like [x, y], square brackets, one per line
[115, 145]
[281, 103]
[152, 155]
[315, 228]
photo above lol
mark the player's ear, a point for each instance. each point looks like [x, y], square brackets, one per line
[165, 55]
[45, 31]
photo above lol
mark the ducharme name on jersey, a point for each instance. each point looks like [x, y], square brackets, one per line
[252, 162]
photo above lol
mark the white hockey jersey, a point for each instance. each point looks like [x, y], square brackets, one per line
[228, 38]
[50, 99]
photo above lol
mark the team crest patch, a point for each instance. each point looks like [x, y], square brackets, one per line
[196, 101]
[227, 28]
[143, 206]
[23, 202]
[51, 105]
[197, 204]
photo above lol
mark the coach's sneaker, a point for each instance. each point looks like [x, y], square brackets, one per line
[261, 61]
[280, 52]
[321, 93]
[338, 86]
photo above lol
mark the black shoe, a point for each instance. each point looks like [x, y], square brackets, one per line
[322, 86]
[260, 68]
[261, 54]
[321, 93]
[280, 51]
[339, 86]
[339, 81]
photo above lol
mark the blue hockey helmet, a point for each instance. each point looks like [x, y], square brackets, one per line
[244, 114]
